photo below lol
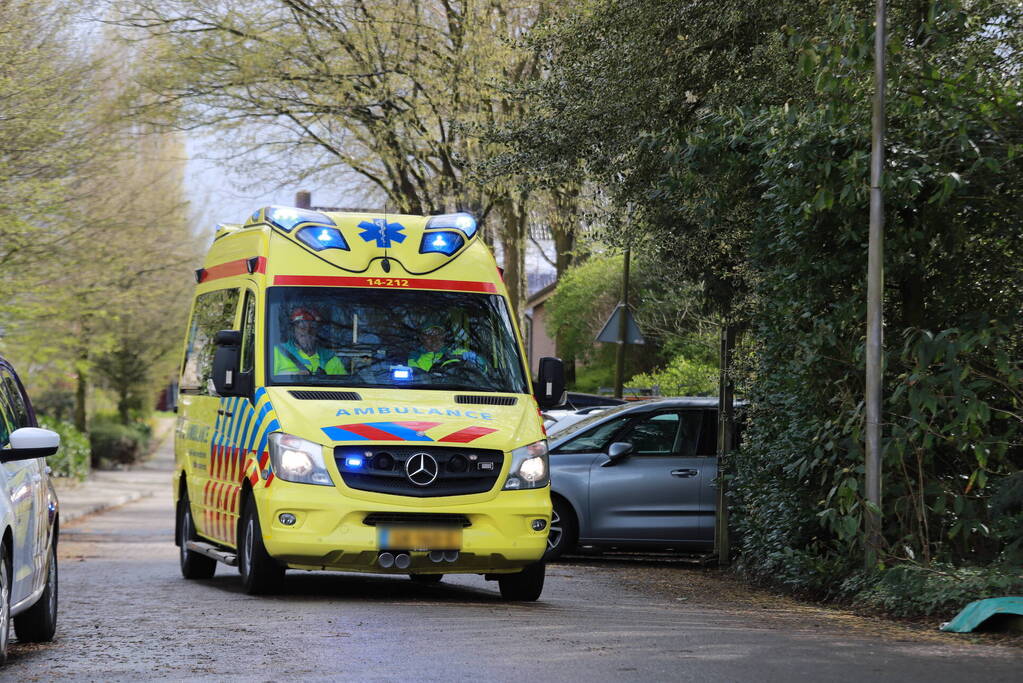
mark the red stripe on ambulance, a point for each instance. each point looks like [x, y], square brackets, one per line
[385, 282]
[468, 434]
[231, 268]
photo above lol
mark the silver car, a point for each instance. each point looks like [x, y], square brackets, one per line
[639, 475]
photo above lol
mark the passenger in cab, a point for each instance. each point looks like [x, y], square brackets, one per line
[301, 355]
[435, 354]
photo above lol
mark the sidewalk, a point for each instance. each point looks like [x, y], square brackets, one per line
[109, 488]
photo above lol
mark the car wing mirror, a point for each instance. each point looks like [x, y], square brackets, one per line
[549, 389]
[227, 379]
[30, 442]
[617, 452]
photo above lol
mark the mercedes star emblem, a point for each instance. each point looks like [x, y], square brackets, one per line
[421, 469]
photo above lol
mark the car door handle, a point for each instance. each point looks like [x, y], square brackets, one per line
[684, 473]
[225, 413]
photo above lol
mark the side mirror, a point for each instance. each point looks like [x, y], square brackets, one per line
[30, 442]
[617, 452]
[549, 389]
[227, 380]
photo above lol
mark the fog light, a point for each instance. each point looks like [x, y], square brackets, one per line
[288, 519]
[539, 524]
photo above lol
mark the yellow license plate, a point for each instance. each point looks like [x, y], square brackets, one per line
[403, 538]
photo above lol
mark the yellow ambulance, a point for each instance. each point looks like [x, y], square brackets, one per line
[354, 397]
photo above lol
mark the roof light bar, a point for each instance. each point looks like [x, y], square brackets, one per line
[463, 222]
[287, 218]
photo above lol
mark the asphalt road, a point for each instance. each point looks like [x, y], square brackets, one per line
[126, 614]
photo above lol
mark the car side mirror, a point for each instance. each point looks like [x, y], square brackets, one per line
[617, 452]
[549, 389]
[227, 380]
[30, 442]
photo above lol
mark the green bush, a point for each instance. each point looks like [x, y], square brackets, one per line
[913, 590]
[681, 377]
[115, 443]
[72, 460]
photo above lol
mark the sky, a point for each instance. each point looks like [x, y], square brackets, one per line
[218, 194]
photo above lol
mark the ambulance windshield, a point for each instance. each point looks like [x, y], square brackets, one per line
[393, 338]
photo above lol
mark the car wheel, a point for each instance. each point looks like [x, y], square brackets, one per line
[261, 574]
[525, 586]
[564, 531]
[38, 623]
[5, 604]
[193, 565]
[426, 578]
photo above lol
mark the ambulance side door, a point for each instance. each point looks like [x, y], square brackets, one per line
[199, 406]
[232, 433]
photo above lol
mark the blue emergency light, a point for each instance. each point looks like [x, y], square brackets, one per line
[319, 238]
[445, 242]
[401, 373]
[354, 461]
[463, 222]
[286, 218]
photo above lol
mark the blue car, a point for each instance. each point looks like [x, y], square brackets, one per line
[636, 476]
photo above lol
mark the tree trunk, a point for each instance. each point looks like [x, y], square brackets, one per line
[564, 227]
[81, 388]
[513, 244]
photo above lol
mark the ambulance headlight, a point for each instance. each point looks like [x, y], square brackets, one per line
[298, 460]
[463, 222]
[529, 467]
[320, 238]
[287, 217]
[446, 242]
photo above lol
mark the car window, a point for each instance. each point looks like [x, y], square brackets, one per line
[213, 311]
[7, 424]
[594, 440]
[15, 401]
[708, 442]
[248, 332]
[654, 435]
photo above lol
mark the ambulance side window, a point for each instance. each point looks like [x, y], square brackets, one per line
[248, 331]
[213, 311]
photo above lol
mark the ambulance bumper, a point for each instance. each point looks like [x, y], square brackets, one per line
[332, 532]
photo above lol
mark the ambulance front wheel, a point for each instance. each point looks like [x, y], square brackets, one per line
[261, 574]
[193, 564]
[524, 586]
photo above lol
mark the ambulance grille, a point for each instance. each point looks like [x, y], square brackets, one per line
[416, 518]
[486, 400]
[381, 469]
[326, 395]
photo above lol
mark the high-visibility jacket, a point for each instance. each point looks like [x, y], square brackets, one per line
[427, 360]
[289, 359]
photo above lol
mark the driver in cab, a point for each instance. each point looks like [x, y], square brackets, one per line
[435, 354]
[301, 354]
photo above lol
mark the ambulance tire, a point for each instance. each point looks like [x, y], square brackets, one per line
[193, 565]
[261, 574]
[524, 586]
[38, 624]
[426, 578]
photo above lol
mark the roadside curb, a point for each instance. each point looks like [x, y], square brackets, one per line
[106, 489]
[69, 513]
